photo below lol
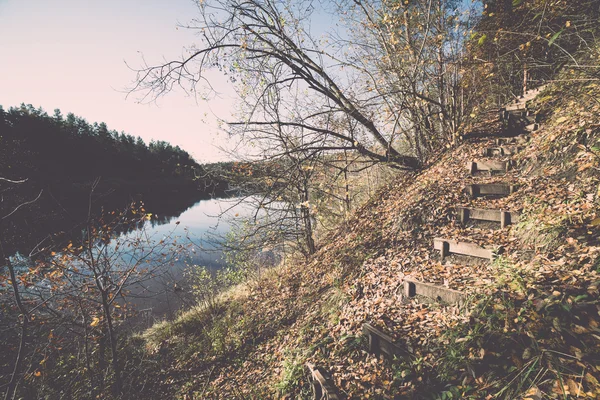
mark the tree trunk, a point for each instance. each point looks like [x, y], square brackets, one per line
[12, 384]
[113, 344]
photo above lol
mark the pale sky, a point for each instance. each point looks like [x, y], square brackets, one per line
[70, 54]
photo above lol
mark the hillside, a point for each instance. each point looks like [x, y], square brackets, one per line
[530, 321]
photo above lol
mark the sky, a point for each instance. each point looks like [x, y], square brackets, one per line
[71, 54]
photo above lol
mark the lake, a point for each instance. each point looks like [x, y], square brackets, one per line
[197, 233]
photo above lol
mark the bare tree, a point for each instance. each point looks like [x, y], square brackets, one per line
[5, 261]
[411, 55]
[80, 292]
[266, 46]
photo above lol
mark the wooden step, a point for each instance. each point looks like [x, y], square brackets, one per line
[504, 217]
[521, 116]
[322, 384]
[413, 288]
[491, 189]
[520, 113]
[521, 105]
[383, 344]
[521, 139]
[490, 166]
[449, 246]
[501, 151]
[527, 96]
[532, 127]
[492, 151]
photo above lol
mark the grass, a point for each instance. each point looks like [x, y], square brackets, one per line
[540, 234]
[332, 306]
[292, 374]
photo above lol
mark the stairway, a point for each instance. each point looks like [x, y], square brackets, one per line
[381, 343]
[517, 116]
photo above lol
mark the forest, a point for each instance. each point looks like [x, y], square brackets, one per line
[57, 148]
[73, 165]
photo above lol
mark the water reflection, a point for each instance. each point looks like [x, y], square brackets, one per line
[196, 235]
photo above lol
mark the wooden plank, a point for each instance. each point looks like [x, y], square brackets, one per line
[511, 150]
[487, 166]
[501, 151]
[516, 107]
[492, 151]
[413, 287]
[449, 246]
[323, 387]
[526, 97]
[532, 127]
[493, 189]
[381, 343]
[521, 139]
[504, 217]
[521, 112]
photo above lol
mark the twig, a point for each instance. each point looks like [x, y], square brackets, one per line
[12, 181]
[24, 204]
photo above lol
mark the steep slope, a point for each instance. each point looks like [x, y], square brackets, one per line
[530, 321]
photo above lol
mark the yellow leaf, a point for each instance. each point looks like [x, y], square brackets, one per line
[561, 119]
[568, 24]
[595, 222]
[585, 166]
[95, 321]
[574, 387]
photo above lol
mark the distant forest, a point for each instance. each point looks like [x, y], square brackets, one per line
[68, 161]
[38, 146]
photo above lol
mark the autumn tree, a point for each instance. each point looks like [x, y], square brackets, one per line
[518, 44]
[410, 55]
[78, 295]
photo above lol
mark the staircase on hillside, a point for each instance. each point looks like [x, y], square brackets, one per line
[518, 119]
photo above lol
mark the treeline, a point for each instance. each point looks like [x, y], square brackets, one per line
[48, 148]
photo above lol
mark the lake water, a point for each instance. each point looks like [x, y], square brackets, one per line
[197, 233]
